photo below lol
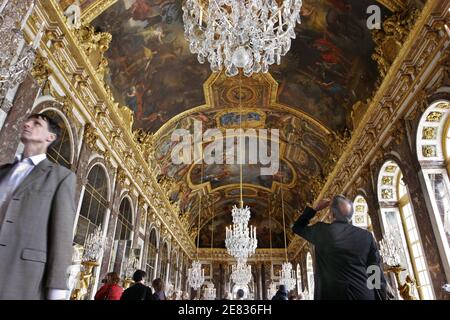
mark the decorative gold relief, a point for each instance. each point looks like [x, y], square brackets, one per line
[429, 151]
[443, 105]
[389, 39]
[387, 180]
[386, 193]
[390, 169]
[359, 209]
[434, 116]
[41, 70]
[429, 133]
[90, 136]
[121, 176]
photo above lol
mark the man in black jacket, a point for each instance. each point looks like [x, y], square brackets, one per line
[343, 254]
[138, 291]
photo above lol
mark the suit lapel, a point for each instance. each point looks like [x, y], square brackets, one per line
[37, 172]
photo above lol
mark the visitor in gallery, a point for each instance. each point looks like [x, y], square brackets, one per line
[343, 253]
[37, 213]
[240, 294]
[282, 293]
[111, 289]
[158, 286]
[138, 291]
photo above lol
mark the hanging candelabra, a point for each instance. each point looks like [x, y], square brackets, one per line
[246, 34]
[287, 276]
[210, 292]
[241, 273]
[272, 290]
[196, 275]
[240, 239]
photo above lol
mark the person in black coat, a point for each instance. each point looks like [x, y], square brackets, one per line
[343, 254]
[281, 294]
[138, 291]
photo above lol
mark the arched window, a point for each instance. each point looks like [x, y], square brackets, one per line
[433, 152]
[123, 236]
[399, 221]
[361, 216]
[61, 150]
[164, 262]
[310, 275]
[298, 274]
[94, 205]
[151, 255]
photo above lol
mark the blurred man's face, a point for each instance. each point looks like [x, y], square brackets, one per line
[35, 130]
[345, 208]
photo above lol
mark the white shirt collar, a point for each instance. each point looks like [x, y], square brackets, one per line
[34, 159]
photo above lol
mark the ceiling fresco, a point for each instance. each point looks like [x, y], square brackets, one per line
[308, 98]
[307, 150]
[153, 72]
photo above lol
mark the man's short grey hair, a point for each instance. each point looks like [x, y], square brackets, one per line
[336, 210]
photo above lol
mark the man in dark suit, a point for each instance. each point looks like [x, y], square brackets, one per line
[37, 211]
[343, 254]
[138, 291]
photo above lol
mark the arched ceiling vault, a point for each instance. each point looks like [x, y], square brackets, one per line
[308, 98]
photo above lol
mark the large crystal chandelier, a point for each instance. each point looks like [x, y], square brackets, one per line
[247, 34]
[196, 275]
[16, 56]
[240, 239]
[241, 273]
[287, 276]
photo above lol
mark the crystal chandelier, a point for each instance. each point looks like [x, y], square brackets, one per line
[240, 239]
[272, 290]
[94, 246]
[196, 275]
[287, 276]
[241, 273]
[210, 291]
[247, 34]
[390, 250]
[16, 56]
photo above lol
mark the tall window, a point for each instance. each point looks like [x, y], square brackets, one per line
[164, 261]
[310, 275]
[61, 150]
[399, 221]
[94, 205]
[298, 273]
[433, 152]
[173, 269]
[151, 255]
[122, 236]
[361, 216]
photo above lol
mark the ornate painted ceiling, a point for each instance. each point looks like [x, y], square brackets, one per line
[309, 98]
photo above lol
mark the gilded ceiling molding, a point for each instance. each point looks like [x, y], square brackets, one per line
[394, 5]
[261, 255]
[95, 9]
[388, 104]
